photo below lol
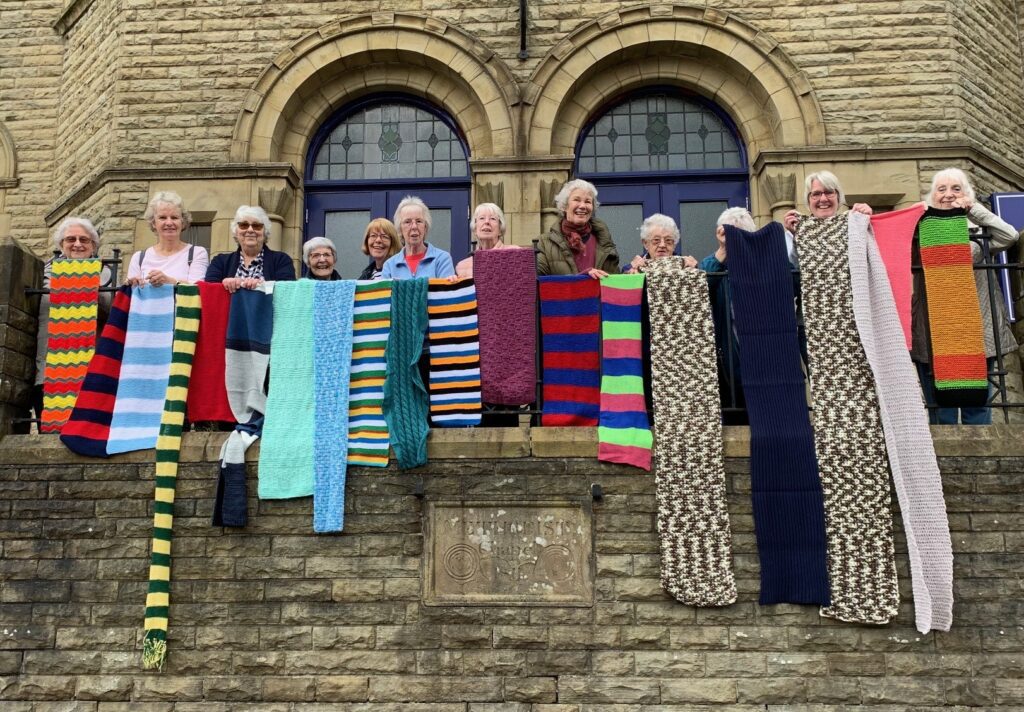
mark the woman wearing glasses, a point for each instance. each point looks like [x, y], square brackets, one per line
[824, 197]
[171, 259]
[74, 238]
[418, 258]
[253, 262]
[659, 235]
[380, 243]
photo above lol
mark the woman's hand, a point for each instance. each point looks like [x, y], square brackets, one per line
[136, 281]
[862, 208]
[689, 261]
[636, 264]
[158, 278]
[233, 284]
[963, 202]
[453, 278]
[597, 273]
[790, 219]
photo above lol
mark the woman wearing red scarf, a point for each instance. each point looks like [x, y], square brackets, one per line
[579, 243]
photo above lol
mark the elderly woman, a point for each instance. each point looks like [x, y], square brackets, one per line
[824, 197]
[253, 262]
[380, 242]
[170, 260]
[418, 258]
[951, 189]
[659, 235]
[579, 243]
[488, 228]
[74, 238]
[319, 257]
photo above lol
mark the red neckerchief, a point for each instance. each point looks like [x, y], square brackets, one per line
[575, 236]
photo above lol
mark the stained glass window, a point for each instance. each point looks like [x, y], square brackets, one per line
[658, 132]
[390, 140]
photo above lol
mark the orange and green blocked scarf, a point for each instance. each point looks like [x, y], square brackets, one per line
[168, 450]
[958, 346]
[71, 337]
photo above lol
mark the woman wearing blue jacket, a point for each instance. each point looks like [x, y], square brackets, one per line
[417, 258]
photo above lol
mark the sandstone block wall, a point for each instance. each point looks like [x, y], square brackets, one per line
[274, 617]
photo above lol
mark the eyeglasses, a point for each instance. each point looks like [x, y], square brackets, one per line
[83, 239]
[245, 225]
[816, 194]
[320, 255]
[378, 236]
[662, 240]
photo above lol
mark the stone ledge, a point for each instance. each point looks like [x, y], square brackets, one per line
[506, 443]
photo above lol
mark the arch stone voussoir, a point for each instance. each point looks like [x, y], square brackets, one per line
[352, 57]
[708, 51]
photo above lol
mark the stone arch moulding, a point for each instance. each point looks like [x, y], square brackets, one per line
[359, 55]
[702, 49]
[8, 159]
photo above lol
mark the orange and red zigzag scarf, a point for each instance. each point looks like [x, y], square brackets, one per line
[74, 292]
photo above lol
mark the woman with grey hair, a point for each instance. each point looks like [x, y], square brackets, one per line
[659, 235]
[824, 197]
[578, 243]
[488, 228]
[319, 257]
[418, 258]
[253, 262]
[952, 189]
[74, 238]
[171, 259]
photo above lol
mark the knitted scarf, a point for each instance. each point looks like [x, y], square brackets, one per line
[569, 325]
[246, 357]
[88, 427]
[788, 511]
[575, 235]
[286, 455]
[332, 356]
[894, 236]
[145, 367]
[954, 314]
[208, 396]
[915, 471]
[624, 433]
[506, 289]
[367, 430]
[454, 340]
[71, 337]
[168, 450]
[693, 519]
[848, 433]
[405, 397]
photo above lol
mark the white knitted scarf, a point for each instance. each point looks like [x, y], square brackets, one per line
[915, 471]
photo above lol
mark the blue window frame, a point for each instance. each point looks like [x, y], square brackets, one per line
[663, 151]
[373, 153]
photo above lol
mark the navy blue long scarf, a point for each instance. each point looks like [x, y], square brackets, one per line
[789, 515]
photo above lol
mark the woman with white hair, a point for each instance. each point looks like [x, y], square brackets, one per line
[171, 259]
[253, 262]
[74, 238]
[319, 257]
[659, 235]
[488, 228]
[418, 258]
[952, 189]
[579, 243]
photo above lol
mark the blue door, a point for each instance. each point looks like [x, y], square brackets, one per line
[371, 155]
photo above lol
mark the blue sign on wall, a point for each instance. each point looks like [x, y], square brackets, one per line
[1010, 207]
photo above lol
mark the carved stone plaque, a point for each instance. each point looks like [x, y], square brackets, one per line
[508, 553]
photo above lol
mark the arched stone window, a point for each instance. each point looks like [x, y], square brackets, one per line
[373, 153]
[663, 151]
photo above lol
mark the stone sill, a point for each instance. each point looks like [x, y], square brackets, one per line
[505, 443]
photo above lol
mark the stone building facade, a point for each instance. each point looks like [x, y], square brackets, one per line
[103, 102]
